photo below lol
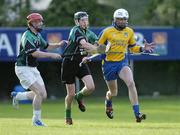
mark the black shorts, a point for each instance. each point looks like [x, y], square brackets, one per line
[71, 69]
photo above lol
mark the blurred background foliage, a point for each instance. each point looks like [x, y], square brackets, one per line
[60, 12]
[163, 13]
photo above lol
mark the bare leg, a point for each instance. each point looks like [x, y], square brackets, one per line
[127, 76]
[68, 102]
[87, 90]
[112, 89]
[89, 85]
[40, 94]
[70, 95]
[29, 95]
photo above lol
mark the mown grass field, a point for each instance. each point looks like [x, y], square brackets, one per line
[163, 118]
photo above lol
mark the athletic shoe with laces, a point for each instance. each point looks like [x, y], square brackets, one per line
[140, 117]
[38, 123]
[69, 121]
[109, 110]
[15, 102]
[80, 104]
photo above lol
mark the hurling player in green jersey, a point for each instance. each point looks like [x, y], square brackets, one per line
[81, 40]
[26, 65]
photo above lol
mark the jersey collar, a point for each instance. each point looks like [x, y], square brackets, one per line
[32, 32]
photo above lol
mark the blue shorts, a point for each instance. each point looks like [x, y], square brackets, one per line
[112, 69]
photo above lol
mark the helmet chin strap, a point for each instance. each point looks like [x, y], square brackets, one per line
[37, 29]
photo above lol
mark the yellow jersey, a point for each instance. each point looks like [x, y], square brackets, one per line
[117, 43]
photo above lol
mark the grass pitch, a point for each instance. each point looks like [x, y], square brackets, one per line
[163, 118]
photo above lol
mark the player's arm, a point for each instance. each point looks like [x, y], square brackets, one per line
[41, 54]
[52, 46]
[30, 49]
[81, 40]
[134, 48]
[100, 49]
[148, 47]
[93, 49]
[88, 46]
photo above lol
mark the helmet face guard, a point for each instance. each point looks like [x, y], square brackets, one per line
[120, 19]
[120, 23]
[35, 20]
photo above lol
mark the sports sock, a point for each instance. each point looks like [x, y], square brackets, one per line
[68, 113]
[21, 96]
[136, 110]
[79, 95]
[36, 114]
[108, 103]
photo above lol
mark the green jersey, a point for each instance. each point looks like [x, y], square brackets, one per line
[30, 43]
[75, 36]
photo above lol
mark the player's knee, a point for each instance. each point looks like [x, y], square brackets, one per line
[114, 93]
[71, 94]
[41, 94]
[130, 84]
[91, 87]
[44, 95]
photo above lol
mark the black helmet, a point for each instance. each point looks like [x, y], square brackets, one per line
[79, 15]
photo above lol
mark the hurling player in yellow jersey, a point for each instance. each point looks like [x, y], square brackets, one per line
[119, 39]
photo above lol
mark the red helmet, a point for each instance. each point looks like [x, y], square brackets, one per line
[34, 16]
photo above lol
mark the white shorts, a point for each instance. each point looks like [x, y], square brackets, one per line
[28, 76]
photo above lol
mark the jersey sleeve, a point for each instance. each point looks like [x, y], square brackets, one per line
[43, 44]
[132, 40]
[133, 47]
[93, 38]
[79, 36]
[102, 38]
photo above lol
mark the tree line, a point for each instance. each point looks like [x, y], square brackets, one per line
[60, 12]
